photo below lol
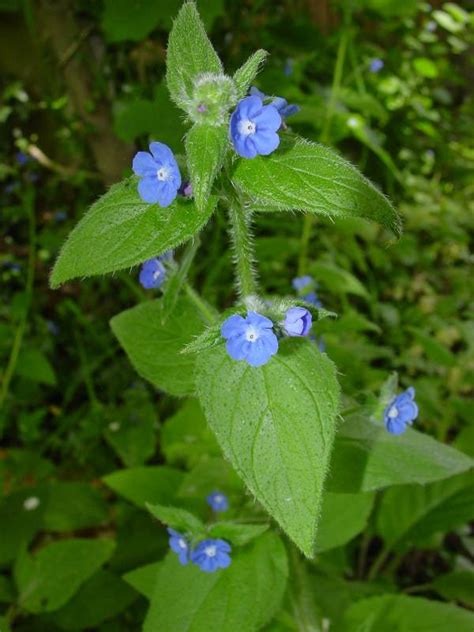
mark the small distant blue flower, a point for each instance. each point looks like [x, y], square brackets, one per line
[60, 216]
[288, 69]
[376, 65]
[180, 546]
[159, 173]
[218, 501]
[152, 274]
[297, 321]
[52, 327]
[313, 299]
[279, 103]
[251, 338]
[210, 555]
[401, 411]
[22, 158]
[253, 128]
[302, 282]
[431, 26]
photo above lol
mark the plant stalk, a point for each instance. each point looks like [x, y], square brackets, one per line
[242, 242]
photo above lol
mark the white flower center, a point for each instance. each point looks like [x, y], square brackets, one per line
[393, 412]
[156, 274]
[31, 503]
[218, 498]
[182, 543]
[251, 334]
[210, 551]
[163, 174]
[247, 127]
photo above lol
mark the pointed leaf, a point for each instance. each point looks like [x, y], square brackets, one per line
[120, 230]
[309, 177]
[205, 150]
[190, 53]
[276, 425]
[154, 344]
[246, 74]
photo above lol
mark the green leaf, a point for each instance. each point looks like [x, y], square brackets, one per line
[246, 74]
[456, 586]
[409, 514]
[7, 591]
[343, 516]
[185, 436]
[336, 279]
[236, 533]
[141, 485]
[367, 457]
[205, 150]
[102, 597]
[251, 588]
[47, 580]
[120, 230]
[309, 177]
[177, 518]
[276, 425]
[154, 344]
[399, 613]
[21, 517]
[156, 118]
[132, 428]
[143, 579]
[425, 67]
[190, 53]
[133, 20]
[72, 506]
[34, 365]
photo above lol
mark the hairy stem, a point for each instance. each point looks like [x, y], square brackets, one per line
[301, 597]
[242, 242]
[20, 330]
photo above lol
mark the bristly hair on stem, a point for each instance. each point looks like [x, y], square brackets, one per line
[243, 248]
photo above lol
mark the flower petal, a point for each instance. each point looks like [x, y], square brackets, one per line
[143, 164]
[148, 189]
[161, 152]
[232, 326]
[265, 143]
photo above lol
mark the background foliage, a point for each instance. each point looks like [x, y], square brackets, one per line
[86, 443]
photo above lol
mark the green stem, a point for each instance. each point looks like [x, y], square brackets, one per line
[20, 331]
[308, 222]
[301, 596]
[378, 563]
[202, 306]
[242, 242]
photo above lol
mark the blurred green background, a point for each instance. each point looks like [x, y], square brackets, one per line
[82, 88]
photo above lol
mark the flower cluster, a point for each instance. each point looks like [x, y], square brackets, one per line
[210, 554]
[252, 338]
[400, 412]
[305, 287]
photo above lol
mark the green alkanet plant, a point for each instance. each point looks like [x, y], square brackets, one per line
[269, 394]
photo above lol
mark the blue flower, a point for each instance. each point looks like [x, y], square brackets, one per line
[401, 411]
[152, 274]
[210, 555]
[218, 501]
[376, 65]
[186, 189]
[253, 128]
[52, 327]
[279, 103]
[60, 216]
[288, 69]
[251, 338]
[159, 173]
[302, 282]
[297, 321]
[179, 545]
[22, 158]
[312, 298]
